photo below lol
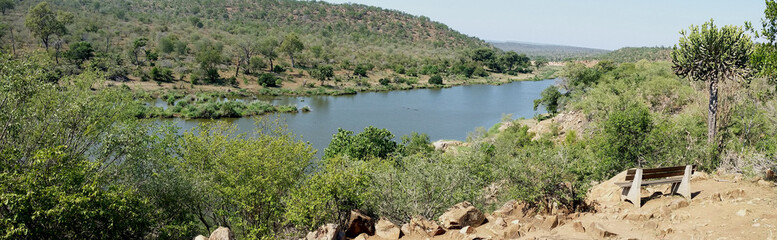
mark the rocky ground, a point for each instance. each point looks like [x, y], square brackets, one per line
[722, 207]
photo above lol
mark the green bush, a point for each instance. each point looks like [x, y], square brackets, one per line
[267, 80]
[161, 74]
[371, 143]
[436, 80]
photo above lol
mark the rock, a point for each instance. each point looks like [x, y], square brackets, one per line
[765, 183]
[606, 194]
[699, 176]
[461, 215]
[742, 212]
[715, 197]
[200, 237]
[406, 229]
[734, 194]
[678, 203]
[578, 226]
[550, 223]
[424, 226]
[573, 215]
[362, 236]
[510, 232]
[512, 208]
[650, 225]
[499, 223]
[598, 231]
[667, 230]
[222, 233]
[467, 230]
[637, 216]
[386, 229]
[325, 232]
[359, 223]
[444, 145]
[769, 174]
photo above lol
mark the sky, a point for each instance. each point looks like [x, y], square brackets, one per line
[603, 24]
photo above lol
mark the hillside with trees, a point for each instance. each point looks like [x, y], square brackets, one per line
[247, 44]
[550, 52]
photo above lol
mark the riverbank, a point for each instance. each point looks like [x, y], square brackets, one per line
[300, 84]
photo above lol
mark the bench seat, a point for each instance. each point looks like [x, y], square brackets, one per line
[679, 177]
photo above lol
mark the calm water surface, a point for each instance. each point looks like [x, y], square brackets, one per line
[449, 113]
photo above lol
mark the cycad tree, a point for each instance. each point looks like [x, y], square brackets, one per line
[712, 55]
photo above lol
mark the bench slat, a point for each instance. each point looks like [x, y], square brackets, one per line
[658, 175]
[652, 182]
[655, 170]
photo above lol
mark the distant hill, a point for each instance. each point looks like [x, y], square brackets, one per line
[337, 34]
[552, 52]
[633, 54]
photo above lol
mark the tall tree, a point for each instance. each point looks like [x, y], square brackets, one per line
[267, 49]
[247, 48]
[764, 57]
[712, 55]
[291, 45]
[137, 45]
[43, 22]
[6, 5]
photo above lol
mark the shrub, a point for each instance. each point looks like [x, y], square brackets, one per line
[278, 69]
[436, 80]
[267, 80]
[161, 74]
[384, 81]
[371, 143]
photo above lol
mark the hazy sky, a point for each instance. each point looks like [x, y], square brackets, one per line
[606, 24]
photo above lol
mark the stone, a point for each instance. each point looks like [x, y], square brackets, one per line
[667, 230]
[200, 237]
[467, 230]
[461, 215]
[578, 226]
[359, 223]
[406, 229]
[715, 197]
[550, 223]
[765, 183]
[222, 233]
[677, 204]
[650, 225]
[362, 236]
[325, 232]
[444, 145]
[735, 193]
[598, 231]
[510, 232]
[499, 223]
[424, 226]
[699, 176]
[511, 208]
[742, 212]
[386, 229]
[637, 216]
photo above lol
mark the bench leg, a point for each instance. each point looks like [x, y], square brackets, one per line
[684, 188]
[634, 191]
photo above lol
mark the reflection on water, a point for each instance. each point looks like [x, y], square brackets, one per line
[448, 113]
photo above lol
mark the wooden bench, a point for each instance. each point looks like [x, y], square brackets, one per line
[679, 177]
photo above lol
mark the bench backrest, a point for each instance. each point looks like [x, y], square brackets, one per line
[648, 173]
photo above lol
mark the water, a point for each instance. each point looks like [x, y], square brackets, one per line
[448, 113]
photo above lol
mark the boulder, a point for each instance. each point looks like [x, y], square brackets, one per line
[512, 208]
[599, 232]
[462, 215]
[467, 230]
[699, 176]
[510, 232]
[715, 197]
[550, 222]
[578, 226]
[200, 237]
[765, 183]
[222, 233]
[735, 193]
[326, 232]
[678, 203]
[424, 226]
[359, 223]
[499, 223]
[387, 230]
[606, 194]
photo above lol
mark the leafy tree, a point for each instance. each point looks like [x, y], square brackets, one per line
[43, 22]
[323, 72]
[764, 56]
[361, 70]
[161, 74]
[266, 80]
[436, 80]
[209, 57]
[291, 45]
[416, 143]
[483, 54]
[80, 52]
[267, 49]
[6, 5]
[712, 55]
[625, 137]
[577, 76]
[550, 99]
[137, 45]
[371, 143]
[540, 62]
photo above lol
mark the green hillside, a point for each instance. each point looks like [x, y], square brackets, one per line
[634, 54]
[248, 34]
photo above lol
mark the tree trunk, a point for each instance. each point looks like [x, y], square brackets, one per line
[107, 43]
[291, 55]
[712, 117]
[271, 66]
[237, 69]
[13, 44]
